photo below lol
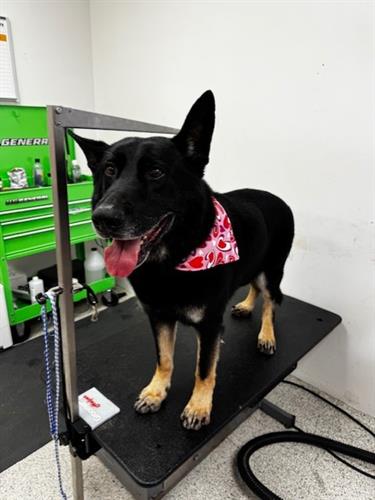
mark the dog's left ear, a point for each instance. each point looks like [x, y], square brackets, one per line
[194, 139]
[94, 150]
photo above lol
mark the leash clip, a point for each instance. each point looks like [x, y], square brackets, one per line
[94, 313]
[92, 299]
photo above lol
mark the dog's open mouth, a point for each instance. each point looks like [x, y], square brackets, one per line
[123, 256]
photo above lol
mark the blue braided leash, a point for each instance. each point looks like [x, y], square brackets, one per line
[53, 403]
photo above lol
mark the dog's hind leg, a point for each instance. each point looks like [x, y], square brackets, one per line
[246, 307]
[152, 396]
[198, 410]
[266, 337]
[269, 284]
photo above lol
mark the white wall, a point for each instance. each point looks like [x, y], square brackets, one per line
[294, 88]
[52, 45]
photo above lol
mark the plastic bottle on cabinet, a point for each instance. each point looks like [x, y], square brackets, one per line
[38, 174]
[36, 286]
[76, 171]
[94, 266]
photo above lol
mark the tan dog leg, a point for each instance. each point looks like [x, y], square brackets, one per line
[266, 337]
[245, 307]
[198, 410]
[152, 396]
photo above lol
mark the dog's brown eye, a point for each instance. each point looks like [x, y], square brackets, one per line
[110, 171]
[155, 173]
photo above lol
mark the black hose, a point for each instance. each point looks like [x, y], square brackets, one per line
[327, 444]
[245, 453]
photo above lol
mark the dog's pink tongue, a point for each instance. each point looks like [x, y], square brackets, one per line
[121, 257]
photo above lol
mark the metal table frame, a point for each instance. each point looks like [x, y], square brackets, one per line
[59, 120]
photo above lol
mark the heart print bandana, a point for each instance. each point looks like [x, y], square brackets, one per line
[219, 248]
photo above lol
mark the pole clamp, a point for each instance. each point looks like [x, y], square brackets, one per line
[79, 435]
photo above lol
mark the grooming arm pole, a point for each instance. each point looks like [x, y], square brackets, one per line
[60, 119]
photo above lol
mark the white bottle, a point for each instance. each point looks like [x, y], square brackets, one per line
[36, 286]
[94, 266]
[76, 171]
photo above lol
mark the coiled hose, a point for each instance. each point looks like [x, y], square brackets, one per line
[330, 445]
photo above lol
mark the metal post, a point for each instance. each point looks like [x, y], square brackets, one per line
[59, 119]
[56, 134]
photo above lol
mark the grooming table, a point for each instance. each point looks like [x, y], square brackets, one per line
[151, 453]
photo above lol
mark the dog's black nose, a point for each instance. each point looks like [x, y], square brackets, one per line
[106, 218]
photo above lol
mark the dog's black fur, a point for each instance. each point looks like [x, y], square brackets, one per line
[139, 181]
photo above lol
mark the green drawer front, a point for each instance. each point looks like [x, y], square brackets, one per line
[80, 190]
[27, 219]
[41, 240]
[18, 201]
[30, 222]
[15, 203]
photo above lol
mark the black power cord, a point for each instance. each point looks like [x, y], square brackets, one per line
[330, 445]
[315, 394]
[355, 420]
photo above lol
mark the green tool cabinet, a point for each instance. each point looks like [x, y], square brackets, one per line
[26, 215]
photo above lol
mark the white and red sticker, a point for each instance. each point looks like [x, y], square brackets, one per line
[95, 408]
[219, 248]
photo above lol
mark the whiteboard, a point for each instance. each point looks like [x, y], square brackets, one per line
[8, 81]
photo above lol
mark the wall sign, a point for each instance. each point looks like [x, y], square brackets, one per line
[8, 80]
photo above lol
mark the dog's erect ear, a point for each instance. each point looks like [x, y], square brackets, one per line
[194, 139]
[93, 150]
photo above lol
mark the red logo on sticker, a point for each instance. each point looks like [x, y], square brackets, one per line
[91, 401]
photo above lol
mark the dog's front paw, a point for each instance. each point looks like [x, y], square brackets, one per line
[194, 417]
[149, 401]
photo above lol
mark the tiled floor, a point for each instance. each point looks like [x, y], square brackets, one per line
[291, 471]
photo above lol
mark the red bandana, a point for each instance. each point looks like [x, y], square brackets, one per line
[219, 248]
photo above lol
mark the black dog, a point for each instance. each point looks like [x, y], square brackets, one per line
[150, 198]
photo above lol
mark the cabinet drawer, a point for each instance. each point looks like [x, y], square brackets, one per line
[33, 222]
[27, 219]
[43, 239]
[25, 203]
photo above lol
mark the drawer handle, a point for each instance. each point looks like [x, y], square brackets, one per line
[74, 211]
[20, 221]
[40, 207]
[39, 231]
